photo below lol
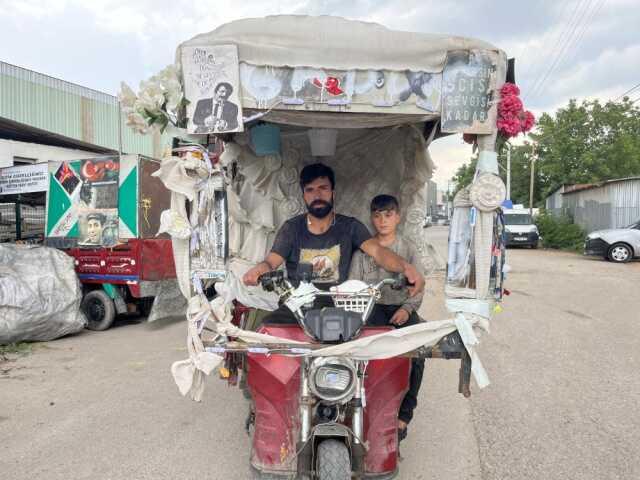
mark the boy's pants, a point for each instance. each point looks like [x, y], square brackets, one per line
[381, 316]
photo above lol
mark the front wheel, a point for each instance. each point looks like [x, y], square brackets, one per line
[333, 461]
[620, 253]
[99, 310]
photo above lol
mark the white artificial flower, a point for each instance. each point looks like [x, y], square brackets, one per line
[151, 96]
[137, 122]
[126, 96]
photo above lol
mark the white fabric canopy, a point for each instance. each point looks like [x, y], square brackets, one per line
[333, 43]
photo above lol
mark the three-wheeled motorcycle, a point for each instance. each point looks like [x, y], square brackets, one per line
[265, 97]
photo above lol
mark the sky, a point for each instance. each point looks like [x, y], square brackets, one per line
[583, 49]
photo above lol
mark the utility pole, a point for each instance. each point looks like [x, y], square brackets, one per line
[533, 167]
[508, 171]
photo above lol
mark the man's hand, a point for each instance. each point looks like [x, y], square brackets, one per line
[413, 277]
[400, 317]
[252, 276]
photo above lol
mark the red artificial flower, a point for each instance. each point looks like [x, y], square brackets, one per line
[510, 105]
[528, 121]
[509, 89]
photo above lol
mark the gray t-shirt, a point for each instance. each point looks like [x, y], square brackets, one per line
[329, 253]
[364, 267]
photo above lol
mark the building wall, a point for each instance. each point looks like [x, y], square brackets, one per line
[553, 202]
[9, 149]
[612, 205]
[70, 110]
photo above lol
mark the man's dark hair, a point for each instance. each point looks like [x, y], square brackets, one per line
[384, 202]
[227, 85]
[102, 218]
[316, 170]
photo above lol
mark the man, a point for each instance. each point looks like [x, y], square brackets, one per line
[326, 240]
[395, 307]
[95, 224]
[216, 114]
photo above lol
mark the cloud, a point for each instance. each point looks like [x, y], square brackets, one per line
[99, 43]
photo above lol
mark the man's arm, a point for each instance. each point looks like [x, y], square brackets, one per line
[272, 262]
[394, 263]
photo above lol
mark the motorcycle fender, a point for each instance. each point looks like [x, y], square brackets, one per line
[334, 431]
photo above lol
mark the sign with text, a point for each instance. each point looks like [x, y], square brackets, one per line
[468, 82]
[23, 179]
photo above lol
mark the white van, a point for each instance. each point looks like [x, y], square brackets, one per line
[520, 228]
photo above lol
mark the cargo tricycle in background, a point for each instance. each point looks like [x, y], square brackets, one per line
[105, 212]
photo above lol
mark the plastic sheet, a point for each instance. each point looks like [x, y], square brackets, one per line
[40, 294]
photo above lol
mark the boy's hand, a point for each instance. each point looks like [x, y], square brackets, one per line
[400, 317]
[414, 277]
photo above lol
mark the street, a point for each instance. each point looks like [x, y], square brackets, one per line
[564, 402]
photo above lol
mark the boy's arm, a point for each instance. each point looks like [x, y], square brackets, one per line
[394, 263]
[413, 303]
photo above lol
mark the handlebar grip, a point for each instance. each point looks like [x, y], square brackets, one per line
[401, 282]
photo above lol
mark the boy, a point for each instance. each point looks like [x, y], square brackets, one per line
[395, 307]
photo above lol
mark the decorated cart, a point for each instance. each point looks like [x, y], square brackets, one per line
[251, 104]
[105, 212]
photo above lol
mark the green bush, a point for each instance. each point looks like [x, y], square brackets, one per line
[560, 232]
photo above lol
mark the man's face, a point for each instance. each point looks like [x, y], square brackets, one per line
[385, 221]
[221, 93]
[94, 231]
[318, 197]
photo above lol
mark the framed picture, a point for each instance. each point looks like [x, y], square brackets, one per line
[212, 86]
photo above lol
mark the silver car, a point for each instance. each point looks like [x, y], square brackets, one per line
[616, 244]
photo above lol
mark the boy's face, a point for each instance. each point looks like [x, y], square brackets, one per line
[385, 221]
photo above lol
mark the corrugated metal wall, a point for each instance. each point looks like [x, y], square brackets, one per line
[625, 200]
[554, 201]
[612, 205]
[70, 110]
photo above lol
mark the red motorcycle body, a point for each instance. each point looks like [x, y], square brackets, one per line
[274, 382]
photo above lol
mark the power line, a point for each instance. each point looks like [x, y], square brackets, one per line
[569, 42]
[537, 54]
[627, 92]
[588, 24]
[556, 42]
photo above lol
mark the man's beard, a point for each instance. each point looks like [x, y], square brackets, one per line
[320, 208]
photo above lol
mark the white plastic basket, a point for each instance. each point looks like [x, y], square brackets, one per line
[352, 303]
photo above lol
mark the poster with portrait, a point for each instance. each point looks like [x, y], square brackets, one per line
[212, 86]
[97, 201]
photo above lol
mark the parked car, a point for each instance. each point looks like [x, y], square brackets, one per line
[520, 229]
[617, 244]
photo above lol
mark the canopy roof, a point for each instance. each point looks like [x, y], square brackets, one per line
[328, 42]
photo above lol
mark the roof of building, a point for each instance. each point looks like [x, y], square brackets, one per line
[588, 186]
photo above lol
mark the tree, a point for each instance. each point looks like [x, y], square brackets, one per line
[588, 143]
[585, 143]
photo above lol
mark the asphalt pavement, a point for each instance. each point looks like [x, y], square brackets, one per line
[563, 403]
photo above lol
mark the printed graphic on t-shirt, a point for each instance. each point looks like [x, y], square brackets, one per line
[325, 261]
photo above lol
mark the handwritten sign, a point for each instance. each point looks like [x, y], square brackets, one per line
[467, 88]
[23, 179]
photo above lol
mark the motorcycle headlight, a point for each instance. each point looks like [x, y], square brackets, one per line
[332, 379]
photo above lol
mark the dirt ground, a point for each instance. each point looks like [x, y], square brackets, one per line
[563, 403]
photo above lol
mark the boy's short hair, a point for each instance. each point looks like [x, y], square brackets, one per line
[384, 202]
[316, 170]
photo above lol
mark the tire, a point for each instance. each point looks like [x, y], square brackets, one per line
[333, 461]
[99, 310]
[620, 253]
